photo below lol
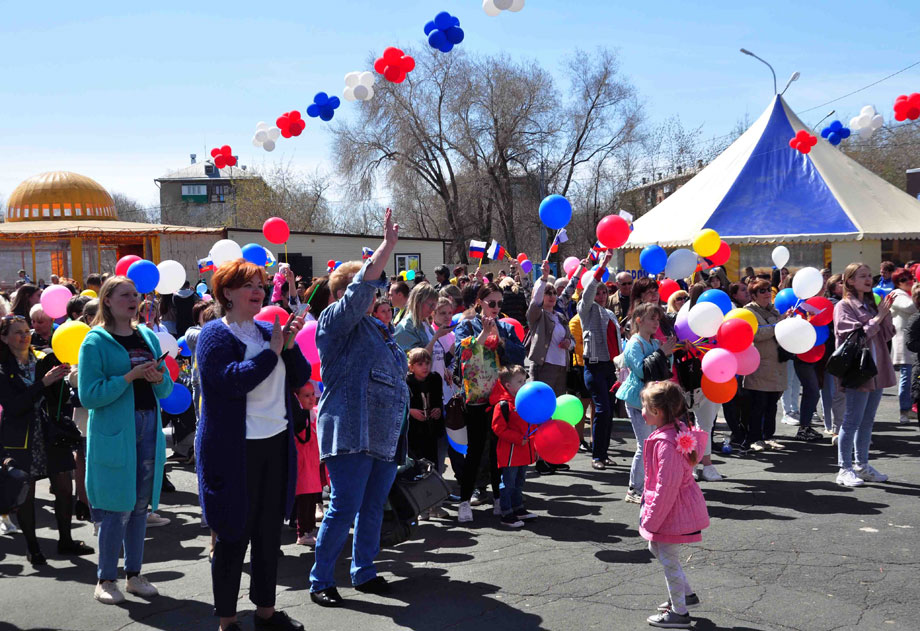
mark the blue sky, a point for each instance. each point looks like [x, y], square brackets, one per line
[124, 91]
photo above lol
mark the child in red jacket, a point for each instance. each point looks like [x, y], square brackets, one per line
[673, 509]
[514, 450]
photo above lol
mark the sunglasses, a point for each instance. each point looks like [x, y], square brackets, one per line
[13, 318]
[680, 299]
[549, 293]
[761, 291]
[495, 304]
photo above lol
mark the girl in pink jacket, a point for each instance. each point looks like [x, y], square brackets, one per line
[673, 509]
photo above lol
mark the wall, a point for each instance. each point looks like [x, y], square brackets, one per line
[187, 249]
[868, 251]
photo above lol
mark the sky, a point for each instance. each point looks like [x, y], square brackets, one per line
[123, 92]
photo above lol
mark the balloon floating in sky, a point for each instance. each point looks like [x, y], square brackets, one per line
[323, 106]
[494, 7]
[867, 123]
[291, 124]
[359, 86]
[907, 107]
[803, 141]
[223, 157]
[265, 136]
[394, 65]
[444, 32]
[835, 132]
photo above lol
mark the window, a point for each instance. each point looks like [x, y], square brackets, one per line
[405, 262]
[195, 193]
[220, 192]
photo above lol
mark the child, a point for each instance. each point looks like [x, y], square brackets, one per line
[513, 450]
[673, 509]
[426, 413]
[383, 311]
[309, 492]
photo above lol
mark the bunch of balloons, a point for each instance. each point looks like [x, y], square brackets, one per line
[835, 132]
[555, 212]
[444, 32]
[867, 123]
[265, 136]
[291, 124]
[323, 106]
[708, 251]
[394, 65]
[803, 141]
[359, 86]
[555, 437]
[805, 332]
[332, 264]
[907, 107]
[494, 7]
[223, 157]
[276, 230]
[709, 245]
[526, 265]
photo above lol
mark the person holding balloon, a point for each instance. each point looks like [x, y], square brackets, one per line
[121, 383]
[551, 341]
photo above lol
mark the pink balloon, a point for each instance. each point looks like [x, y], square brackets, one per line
[54, 301]
[748, 360]
[207, 298]
[306, 340]
[267, 314]
[720, 365]
[570, 265]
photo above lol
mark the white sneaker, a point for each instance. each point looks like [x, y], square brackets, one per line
[108, 593]
[154, 520]
[869, 474]
[140, 586]
[710, 473]
[848, 477]
[464, 513]
[7, 527]
[788, 420]
[904, 420]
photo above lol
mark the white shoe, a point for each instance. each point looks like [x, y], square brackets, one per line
[140, 586]
[7, 527]
[848, 477]
[424, 516]
[788, 420]
[154, 520]
[904, 420]
[869, 474]
[464, 513]
[108, 593]
[710, 473]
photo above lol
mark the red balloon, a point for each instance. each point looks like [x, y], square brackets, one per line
[827, 311]
[721, 256]
[316, 371]
[521, 257]
[666, 288]
[735, 335]
[813, 355]
[276, 230]
[330, 263]
[407, 64]
[556, 441]
[121, 267]
[268, 314]
[295, 115]
[220, 161]
[380, 65]
[394, 74]
[172, 366]
[226, 150]
[612, 231]
[231, 161]
[392, 54]
[518, 327]
[285, 132]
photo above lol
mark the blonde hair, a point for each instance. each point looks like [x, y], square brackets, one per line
[672, 300]
[668, 398]
[420, 294]
[105, 317]
[341, 277]
[848, 274]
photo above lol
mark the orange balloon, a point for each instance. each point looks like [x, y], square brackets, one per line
[719, 392]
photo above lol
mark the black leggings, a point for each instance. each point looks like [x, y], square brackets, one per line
[62, 489]
[479, 438]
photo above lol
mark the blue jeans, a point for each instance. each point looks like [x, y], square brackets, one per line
[857, 427]
[599, 378]
[904, 387]
[360, 485]
[127, 529]
[511, 495]
[791, 393]
[642, 430]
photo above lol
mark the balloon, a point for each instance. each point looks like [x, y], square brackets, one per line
[704, 319]
[172, 277]
[813, 355]
[461, 449]
[743, 314]
[821, 334]
[807, 282]
[569, 409]
[612, 231]
[570, 265]
[410, 274]
[795, 335]
[719, 392]
[721, 256]
[535, 402]
[780, 255]
[207, 298]
[168, 344]
[89, 293]
[67, 339]
[666, 288]
[681, 326]
[878, 299]
[556, 442]
[121, 267]
[707, 242]
[881, 292]
[748, 360]
[201, 289]
[653, 259]
[735, 335]
[184, 350]
[720, 365]
[681, 264]
[523, 257]
[518, 327]
[54, 301]
[269, 313]
[178, 400]
[526, 266]
[717, 297]
[826, 313]
[225, 250]
[555, 212]
[255, 253]
[316, 371]
[172, 366]
[306, 340]
[145, 275]
[785, 300]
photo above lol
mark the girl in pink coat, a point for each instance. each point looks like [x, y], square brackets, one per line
[673, 509]
[310, 474]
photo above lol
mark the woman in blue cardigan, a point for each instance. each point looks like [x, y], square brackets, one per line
[247, 466]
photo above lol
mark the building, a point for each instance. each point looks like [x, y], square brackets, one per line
[653, 191]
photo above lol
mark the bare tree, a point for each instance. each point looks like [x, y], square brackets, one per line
[131, 210]
[889, 153]
[281, 191]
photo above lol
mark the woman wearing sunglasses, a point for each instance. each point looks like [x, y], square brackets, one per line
[484, 345]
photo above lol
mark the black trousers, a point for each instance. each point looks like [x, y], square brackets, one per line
[760, 415]
[266, 484]
[732, 411]
[479, 438]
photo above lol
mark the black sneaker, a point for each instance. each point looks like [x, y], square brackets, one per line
[377, 585]
[669, 620]
[690, 600]
[543, 468]
[805, 435]
[523, 515]
[512, 521]
[811, 430]
[585, 447]
[559, 467]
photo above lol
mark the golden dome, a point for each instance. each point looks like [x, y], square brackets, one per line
[60, 196]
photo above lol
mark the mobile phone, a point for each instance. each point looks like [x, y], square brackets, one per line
[162, 357]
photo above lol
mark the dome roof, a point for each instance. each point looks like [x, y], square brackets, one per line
[60, 196]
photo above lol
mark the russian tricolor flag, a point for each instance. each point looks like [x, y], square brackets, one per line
[596, 250]
[496, 251]
[561, 237]
[477, 249]
[366, 253]
[205, 265]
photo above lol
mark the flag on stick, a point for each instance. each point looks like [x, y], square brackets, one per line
[205, 265]
[366, 253]
[596, 249]
[496, 251]
[477, 249]
[561, 237]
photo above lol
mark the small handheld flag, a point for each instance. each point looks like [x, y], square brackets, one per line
[366, 253]
[477, 249]
[596, 249]
[496, 251]
[561, 237]
[205, 265]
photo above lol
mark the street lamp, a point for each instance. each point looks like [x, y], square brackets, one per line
[795, 76]
[747, 52]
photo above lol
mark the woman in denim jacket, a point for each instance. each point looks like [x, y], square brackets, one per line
[361, 424]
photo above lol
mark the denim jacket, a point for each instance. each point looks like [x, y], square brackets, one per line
[363, 408]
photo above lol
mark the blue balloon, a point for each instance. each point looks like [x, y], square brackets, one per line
[145, 275]
[460, 449]
[201, 289]
[822, 334]
[255, 253]
[535, 402]
[718, 297]
[184, 350]
[456, 319]
[178, 400]
[606, 275]
[653, 259]
[785, 300]
[881, 292]
[555, 212]
[834, 138]
[444, 32]
[323, 106]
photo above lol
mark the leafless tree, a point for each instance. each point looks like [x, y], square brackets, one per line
[281, 191]
[131, 210]
[889, 153]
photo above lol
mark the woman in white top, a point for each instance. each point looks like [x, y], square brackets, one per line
[901, 310]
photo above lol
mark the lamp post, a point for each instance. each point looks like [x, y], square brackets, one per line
[747, 52]
[795, 76]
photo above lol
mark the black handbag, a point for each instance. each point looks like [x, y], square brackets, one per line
[852, 362]
[63, 432]
[454, 412]
[656, 367]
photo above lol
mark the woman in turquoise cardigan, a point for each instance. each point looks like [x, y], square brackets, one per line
[120, 384]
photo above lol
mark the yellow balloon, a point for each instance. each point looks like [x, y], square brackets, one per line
[744, 314]
[67, 340]
[707, 242]
[89, 293]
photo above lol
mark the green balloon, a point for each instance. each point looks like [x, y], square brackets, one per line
[569, 409]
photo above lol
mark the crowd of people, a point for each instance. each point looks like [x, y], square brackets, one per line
[273, 441]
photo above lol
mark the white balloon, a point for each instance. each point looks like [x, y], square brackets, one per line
[863, 120]
[877, 121]
[780, 255]
[274, 133]
[807, 282]
[587, 276]
[351, 79]
[489, 7]
[370, 94]
[681, 263]
[349, 93]
[261, 125]
[269, 145]
[172, 277]
[704, 319]
[503, 5]
[867, 110]
[262, 135]
[255, 142]
[168, 343]
[795, 335]
[516, 6]
[854, 123]
[361, 92]
[367, 79]
[226, 249]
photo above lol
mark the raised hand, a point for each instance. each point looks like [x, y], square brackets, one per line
[277, 340]
[390, 230]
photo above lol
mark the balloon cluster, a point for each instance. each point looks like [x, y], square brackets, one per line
[907, 107]
[526, 265]
[359, 86]
[805, 332]
[867, 123]
[835, 132]
[332, 264]
[708, 251]
[803, 141]
[494, 7]
[323, 106]
[394, 65]
[291, 124]
[444, 32]
[223, 157]
[555, 437]
[265, 136]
